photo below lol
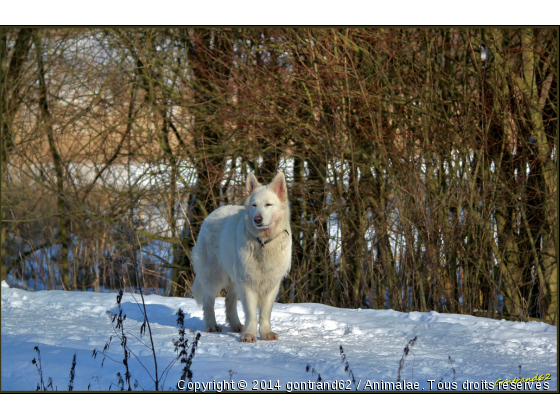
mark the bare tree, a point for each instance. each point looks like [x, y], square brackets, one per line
[422, 175]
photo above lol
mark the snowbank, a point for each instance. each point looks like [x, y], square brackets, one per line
[62, 324]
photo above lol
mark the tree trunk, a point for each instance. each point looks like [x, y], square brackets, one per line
[63, 221]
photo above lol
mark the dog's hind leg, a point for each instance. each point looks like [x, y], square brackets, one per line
[209, 315]
[204, 291]
[231, 310]
[211, 290]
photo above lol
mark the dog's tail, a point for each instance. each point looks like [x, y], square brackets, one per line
[197, 291]
[198, 265]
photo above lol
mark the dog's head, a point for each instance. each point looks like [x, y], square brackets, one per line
[267, 206]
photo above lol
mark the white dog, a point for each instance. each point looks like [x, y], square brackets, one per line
[247, 249]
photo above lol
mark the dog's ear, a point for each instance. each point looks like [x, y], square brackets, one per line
[251, 184]
[278, 185]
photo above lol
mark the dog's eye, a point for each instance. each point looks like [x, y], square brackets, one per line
[254, 205]
[268, 205]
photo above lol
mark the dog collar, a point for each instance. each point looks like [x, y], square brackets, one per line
[262, 244]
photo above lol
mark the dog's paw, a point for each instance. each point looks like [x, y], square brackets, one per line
[249, 338]
[269, 336]
[215, 328]
[238, 328]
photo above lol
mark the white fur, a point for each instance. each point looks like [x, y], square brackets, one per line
[228, 254]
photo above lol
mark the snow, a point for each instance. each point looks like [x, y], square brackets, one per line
[64, 323]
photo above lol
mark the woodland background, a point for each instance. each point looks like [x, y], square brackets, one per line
[421, 177]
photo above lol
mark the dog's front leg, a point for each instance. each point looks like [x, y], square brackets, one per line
[266, 311]
[250, 302]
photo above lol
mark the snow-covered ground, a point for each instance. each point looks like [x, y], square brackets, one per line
[449, 348]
